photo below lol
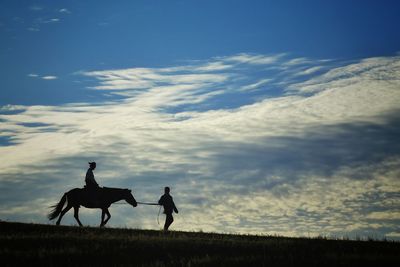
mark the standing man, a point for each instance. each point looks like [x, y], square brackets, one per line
[169, 207]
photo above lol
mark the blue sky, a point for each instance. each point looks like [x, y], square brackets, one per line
[60, 38]
[286, 111]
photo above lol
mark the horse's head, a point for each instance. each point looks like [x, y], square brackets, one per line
[129, 198]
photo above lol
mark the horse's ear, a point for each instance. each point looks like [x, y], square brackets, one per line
[130, 191]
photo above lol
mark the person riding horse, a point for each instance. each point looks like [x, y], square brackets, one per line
[92, 187]
[89, 179]
[92, 196]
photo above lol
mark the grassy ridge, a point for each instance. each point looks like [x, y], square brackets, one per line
[46, 245]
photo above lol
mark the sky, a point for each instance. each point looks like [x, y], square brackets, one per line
[264, 117]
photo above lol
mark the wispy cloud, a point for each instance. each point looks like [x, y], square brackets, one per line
[45, 77]
[52, 20]
[256, 85]
[12, 108]
[64, 10]
[147, 78]
[309, 71]
[393, 235]
[44, 16]
[33, 29]
[384, 215]
[367, 71]
[49, 77]
[254, 59]
[315, 154]
[298, 61]
[36, 8]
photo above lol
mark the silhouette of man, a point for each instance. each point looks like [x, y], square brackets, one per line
[89, 179]
[169, 207]
[91, 185]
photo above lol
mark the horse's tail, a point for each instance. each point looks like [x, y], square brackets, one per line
[57, 208]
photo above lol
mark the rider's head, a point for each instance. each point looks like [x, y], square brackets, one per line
[92, 165]
[166, 190]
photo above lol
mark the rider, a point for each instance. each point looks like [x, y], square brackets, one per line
[89, 180]
[91, 185]
[169, 207]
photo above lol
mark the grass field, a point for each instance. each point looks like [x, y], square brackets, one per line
[47, 245]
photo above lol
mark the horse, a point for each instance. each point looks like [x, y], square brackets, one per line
[78, 196]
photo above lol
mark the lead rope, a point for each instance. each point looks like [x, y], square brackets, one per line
[158, 216]
[153, 204]
[147, 203]
[150, 204]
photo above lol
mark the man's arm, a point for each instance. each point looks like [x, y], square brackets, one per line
[175, 209]
[161, 201]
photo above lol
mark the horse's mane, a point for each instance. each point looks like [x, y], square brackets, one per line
[113, 189]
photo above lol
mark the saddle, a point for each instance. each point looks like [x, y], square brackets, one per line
[93, 196]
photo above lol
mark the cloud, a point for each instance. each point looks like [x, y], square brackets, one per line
[33, 29]
[298, 61]
[36, 8]
[145, 78]
[41, 21]
[256, 85]
[49, 77]
[46, 17]
[46, 77]
[214, 66]
[64, 10]
[309, 71]
[53, 20]
[12, 107]
[364, 72]
[393, 234]
[259, 150]
[380, 215]
[253, 59]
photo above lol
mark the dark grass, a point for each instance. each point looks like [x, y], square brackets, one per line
[47, 245]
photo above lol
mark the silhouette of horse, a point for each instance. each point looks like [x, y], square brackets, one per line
[77, 197]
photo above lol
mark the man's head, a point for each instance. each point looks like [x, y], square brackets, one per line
[92, 165]
[166, 190]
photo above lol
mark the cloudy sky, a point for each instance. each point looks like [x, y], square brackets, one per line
[264, 117]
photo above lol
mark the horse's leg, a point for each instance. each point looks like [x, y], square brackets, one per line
[103, 213]
[76, 215]
[108, 216]
[67, 208]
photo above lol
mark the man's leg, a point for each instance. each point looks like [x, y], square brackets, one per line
[168, 221]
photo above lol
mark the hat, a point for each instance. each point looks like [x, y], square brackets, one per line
[92, 163]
